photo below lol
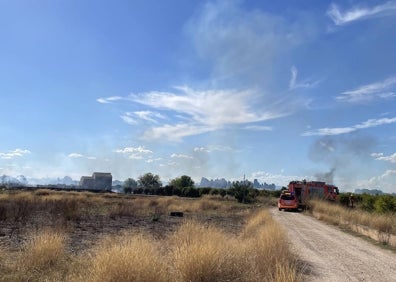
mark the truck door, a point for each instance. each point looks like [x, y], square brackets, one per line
[298, 194]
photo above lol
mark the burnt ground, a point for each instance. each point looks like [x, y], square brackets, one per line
[84, 232]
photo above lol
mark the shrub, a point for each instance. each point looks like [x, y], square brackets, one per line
[190, 192]
[242, 191]
[204, 190]
[385, 203]
[344, 199]
[368, 202]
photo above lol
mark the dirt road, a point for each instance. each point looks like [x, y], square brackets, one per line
[332, 255]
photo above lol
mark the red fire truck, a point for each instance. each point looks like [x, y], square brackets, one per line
[304, 190]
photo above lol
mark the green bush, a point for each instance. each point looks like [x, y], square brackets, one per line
[385, 203]
[344, 199]
[243, 191]
[368, 202]
[204, 191]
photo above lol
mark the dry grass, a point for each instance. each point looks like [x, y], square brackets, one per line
[204, 253]
[339, 215]
[42, 258]
[128, 258]
[383, 224]
[43, 250]
[194, 251]
[260, 253]
[267, 250]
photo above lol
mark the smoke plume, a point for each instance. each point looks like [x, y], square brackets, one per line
[344, 154]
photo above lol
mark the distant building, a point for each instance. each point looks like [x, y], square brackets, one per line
[99, 181]
[87, 182]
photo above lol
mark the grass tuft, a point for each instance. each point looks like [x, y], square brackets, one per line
[129, 258]
[43, 257]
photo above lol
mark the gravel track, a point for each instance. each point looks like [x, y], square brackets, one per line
[332, 255]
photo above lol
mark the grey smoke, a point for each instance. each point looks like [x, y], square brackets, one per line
[344, 154]
[327, 177]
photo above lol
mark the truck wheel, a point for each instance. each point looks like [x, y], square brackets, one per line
[280, 209]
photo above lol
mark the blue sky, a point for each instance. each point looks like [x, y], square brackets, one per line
[274, 90]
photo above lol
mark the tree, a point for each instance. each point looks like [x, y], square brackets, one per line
[182, 182]
[242, 191]
[129, 185]
[149, 182]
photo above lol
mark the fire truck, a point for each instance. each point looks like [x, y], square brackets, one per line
[304, 190]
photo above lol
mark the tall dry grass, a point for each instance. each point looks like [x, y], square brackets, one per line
[268, 250]
[340, 215]
[383, 225]
[204, 253]
[260, 253]
[43, 258]
[129, 258]
[197, 252]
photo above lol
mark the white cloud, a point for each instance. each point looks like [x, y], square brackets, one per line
[181, 156]
[359, 13]
[151, 160]
[375, 122]
[381, 157]
[149, 116]
[211, 107]
[293, 84]
[213, 148]
[128, 119]
[206, 110]
[135, 153]
[279, 179]
[383, 89]
[75, 155]
[135, 156]
[108, 100]
[14, 154]
[342, 130]
[175, 132]
[384, 182]
[80, 156]
[128, 150]
[329, 131]
[388, 173]
[201, 149]
[376, 155]
[237, 47]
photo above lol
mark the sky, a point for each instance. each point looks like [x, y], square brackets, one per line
[270, 90]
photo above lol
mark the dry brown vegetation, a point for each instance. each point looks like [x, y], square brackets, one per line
[71, 236]
[383, 224]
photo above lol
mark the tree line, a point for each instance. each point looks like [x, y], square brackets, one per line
[184, 186]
